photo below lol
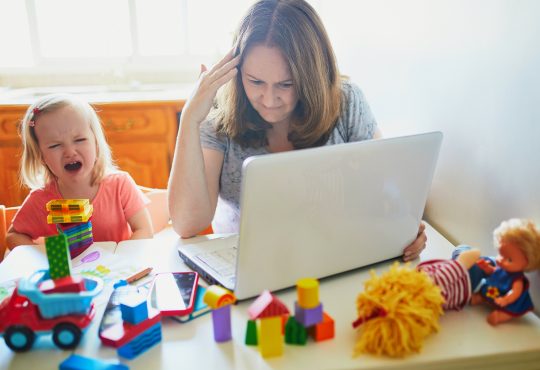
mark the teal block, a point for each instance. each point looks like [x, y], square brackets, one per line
[57, 248]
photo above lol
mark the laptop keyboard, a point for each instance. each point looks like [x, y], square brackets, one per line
[222, 261]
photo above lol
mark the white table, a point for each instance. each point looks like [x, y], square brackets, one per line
[465, 340]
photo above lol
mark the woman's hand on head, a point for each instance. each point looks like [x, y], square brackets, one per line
[199, 104]
[412, 251]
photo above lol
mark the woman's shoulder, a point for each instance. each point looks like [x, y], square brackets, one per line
[351, 92]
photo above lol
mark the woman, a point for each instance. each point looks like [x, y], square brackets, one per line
[281, 91]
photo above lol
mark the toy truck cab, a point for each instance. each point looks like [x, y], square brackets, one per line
[30, 312]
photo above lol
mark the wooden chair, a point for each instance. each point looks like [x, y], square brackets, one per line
[6, 215]
[159, 209]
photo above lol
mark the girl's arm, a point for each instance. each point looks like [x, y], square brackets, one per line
[512, 295]
[194, 179]
[14, 238]
[141, 225]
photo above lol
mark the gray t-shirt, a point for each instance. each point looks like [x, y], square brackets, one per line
[355, 123]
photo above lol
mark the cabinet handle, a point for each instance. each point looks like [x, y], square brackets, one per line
[111, 126]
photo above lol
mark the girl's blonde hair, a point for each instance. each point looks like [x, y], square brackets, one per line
[523, 234]
[34, 173]
[294, 27]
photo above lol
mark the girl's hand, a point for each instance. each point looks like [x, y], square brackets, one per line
[413, 251]
[199, 104]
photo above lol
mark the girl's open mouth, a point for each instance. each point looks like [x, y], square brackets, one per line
[73, 166]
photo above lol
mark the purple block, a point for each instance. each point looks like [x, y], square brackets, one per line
[308, 316]
[221, 317]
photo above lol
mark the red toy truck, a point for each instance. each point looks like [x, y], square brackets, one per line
[30, 312]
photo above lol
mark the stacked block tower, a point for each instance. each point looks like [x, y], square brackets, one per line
[220, 300]
[72, 219]
[139, 330]
[309, 316]
[265, 327]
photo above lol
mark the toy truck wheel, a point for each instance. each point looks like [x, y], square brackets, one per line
[19, 338]
[66, 335]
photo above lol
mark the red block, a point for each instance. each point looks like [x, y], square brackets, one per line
[67, 284]
[323, 330]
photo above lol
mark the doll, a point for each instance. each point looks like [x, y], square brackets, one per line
[506, 287]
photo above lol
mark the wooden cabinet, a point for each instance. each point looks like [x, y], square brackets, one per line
[141, 135]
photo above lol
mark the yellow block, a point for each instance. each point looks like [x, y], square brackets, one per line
[308, 292]
[270, 336]
[216, 297]
[65, 205]
[70, 217]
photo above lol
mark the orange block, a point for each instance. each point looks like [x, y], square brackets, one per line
[323, 330]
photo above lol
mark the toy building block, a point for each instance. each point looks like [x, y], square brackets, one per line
[65, 205]
[141, 342]
[308, 293]
[216, 297]
[266, 305]
[323, 330]
[77, 362]
[68, 284]
[70, 217]
[308, 316]
[132, 340]
[251, 333]
[219, 300]
[79, 236]
[58, 256]
[270, 336]
[295, 333]
[221, 318]
[134, 308]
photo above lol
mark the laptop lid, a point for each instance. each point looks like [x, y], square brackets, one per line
[321, 211]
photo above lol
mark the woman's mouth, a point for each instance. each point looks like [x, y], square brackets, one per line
[73, 166]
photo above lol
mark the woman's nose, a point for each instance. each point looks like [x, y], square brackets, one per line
[269, 97]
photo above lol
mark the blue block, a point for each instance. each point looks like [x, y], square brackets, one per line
[134, 308]
[308, 316]
[141, 342]
[76, 362]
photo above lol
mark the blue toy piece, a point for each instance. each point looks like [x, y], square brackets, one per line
[134, 308]
[76, 362]
[59, 304]
[141, 342]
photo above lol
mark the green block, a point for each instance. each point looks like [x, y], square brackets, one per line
[251, 333]
[295, 333]
[58, 255]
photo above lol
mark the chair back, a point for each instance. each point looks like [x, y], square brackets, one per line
[6, 215]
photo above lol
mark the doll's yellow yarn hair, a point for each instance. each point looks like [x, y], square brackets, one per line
[396, 312]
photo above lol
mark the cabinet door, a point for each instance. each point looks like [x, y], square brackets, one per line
[12, 193]
[147, 163]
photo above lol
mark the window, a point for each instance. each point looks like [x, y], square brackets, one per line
[115, 37]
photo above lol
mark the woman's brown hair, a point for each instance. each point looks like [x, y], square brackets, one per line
[294, 27]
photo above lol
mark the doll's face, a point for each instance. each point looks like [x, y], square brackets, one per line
[511, 258]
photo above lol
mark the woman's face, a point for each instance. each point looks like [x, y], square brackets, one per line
[268, 84]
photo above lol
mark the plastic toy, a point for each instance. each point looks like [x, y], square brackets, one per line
[323, 330]
[220, 300]
[79, 236]
[77, 362]
[396, 312]
[506, 287]
[269, 312]
[30, 312]
[70, 216]
[58, 256]
[65, 205]
[133, 339]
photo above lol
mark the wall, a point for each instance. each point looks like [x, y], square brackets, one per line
[470, 69]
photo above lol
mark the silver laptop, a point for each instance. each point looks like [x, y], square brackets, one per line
[321, 211]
